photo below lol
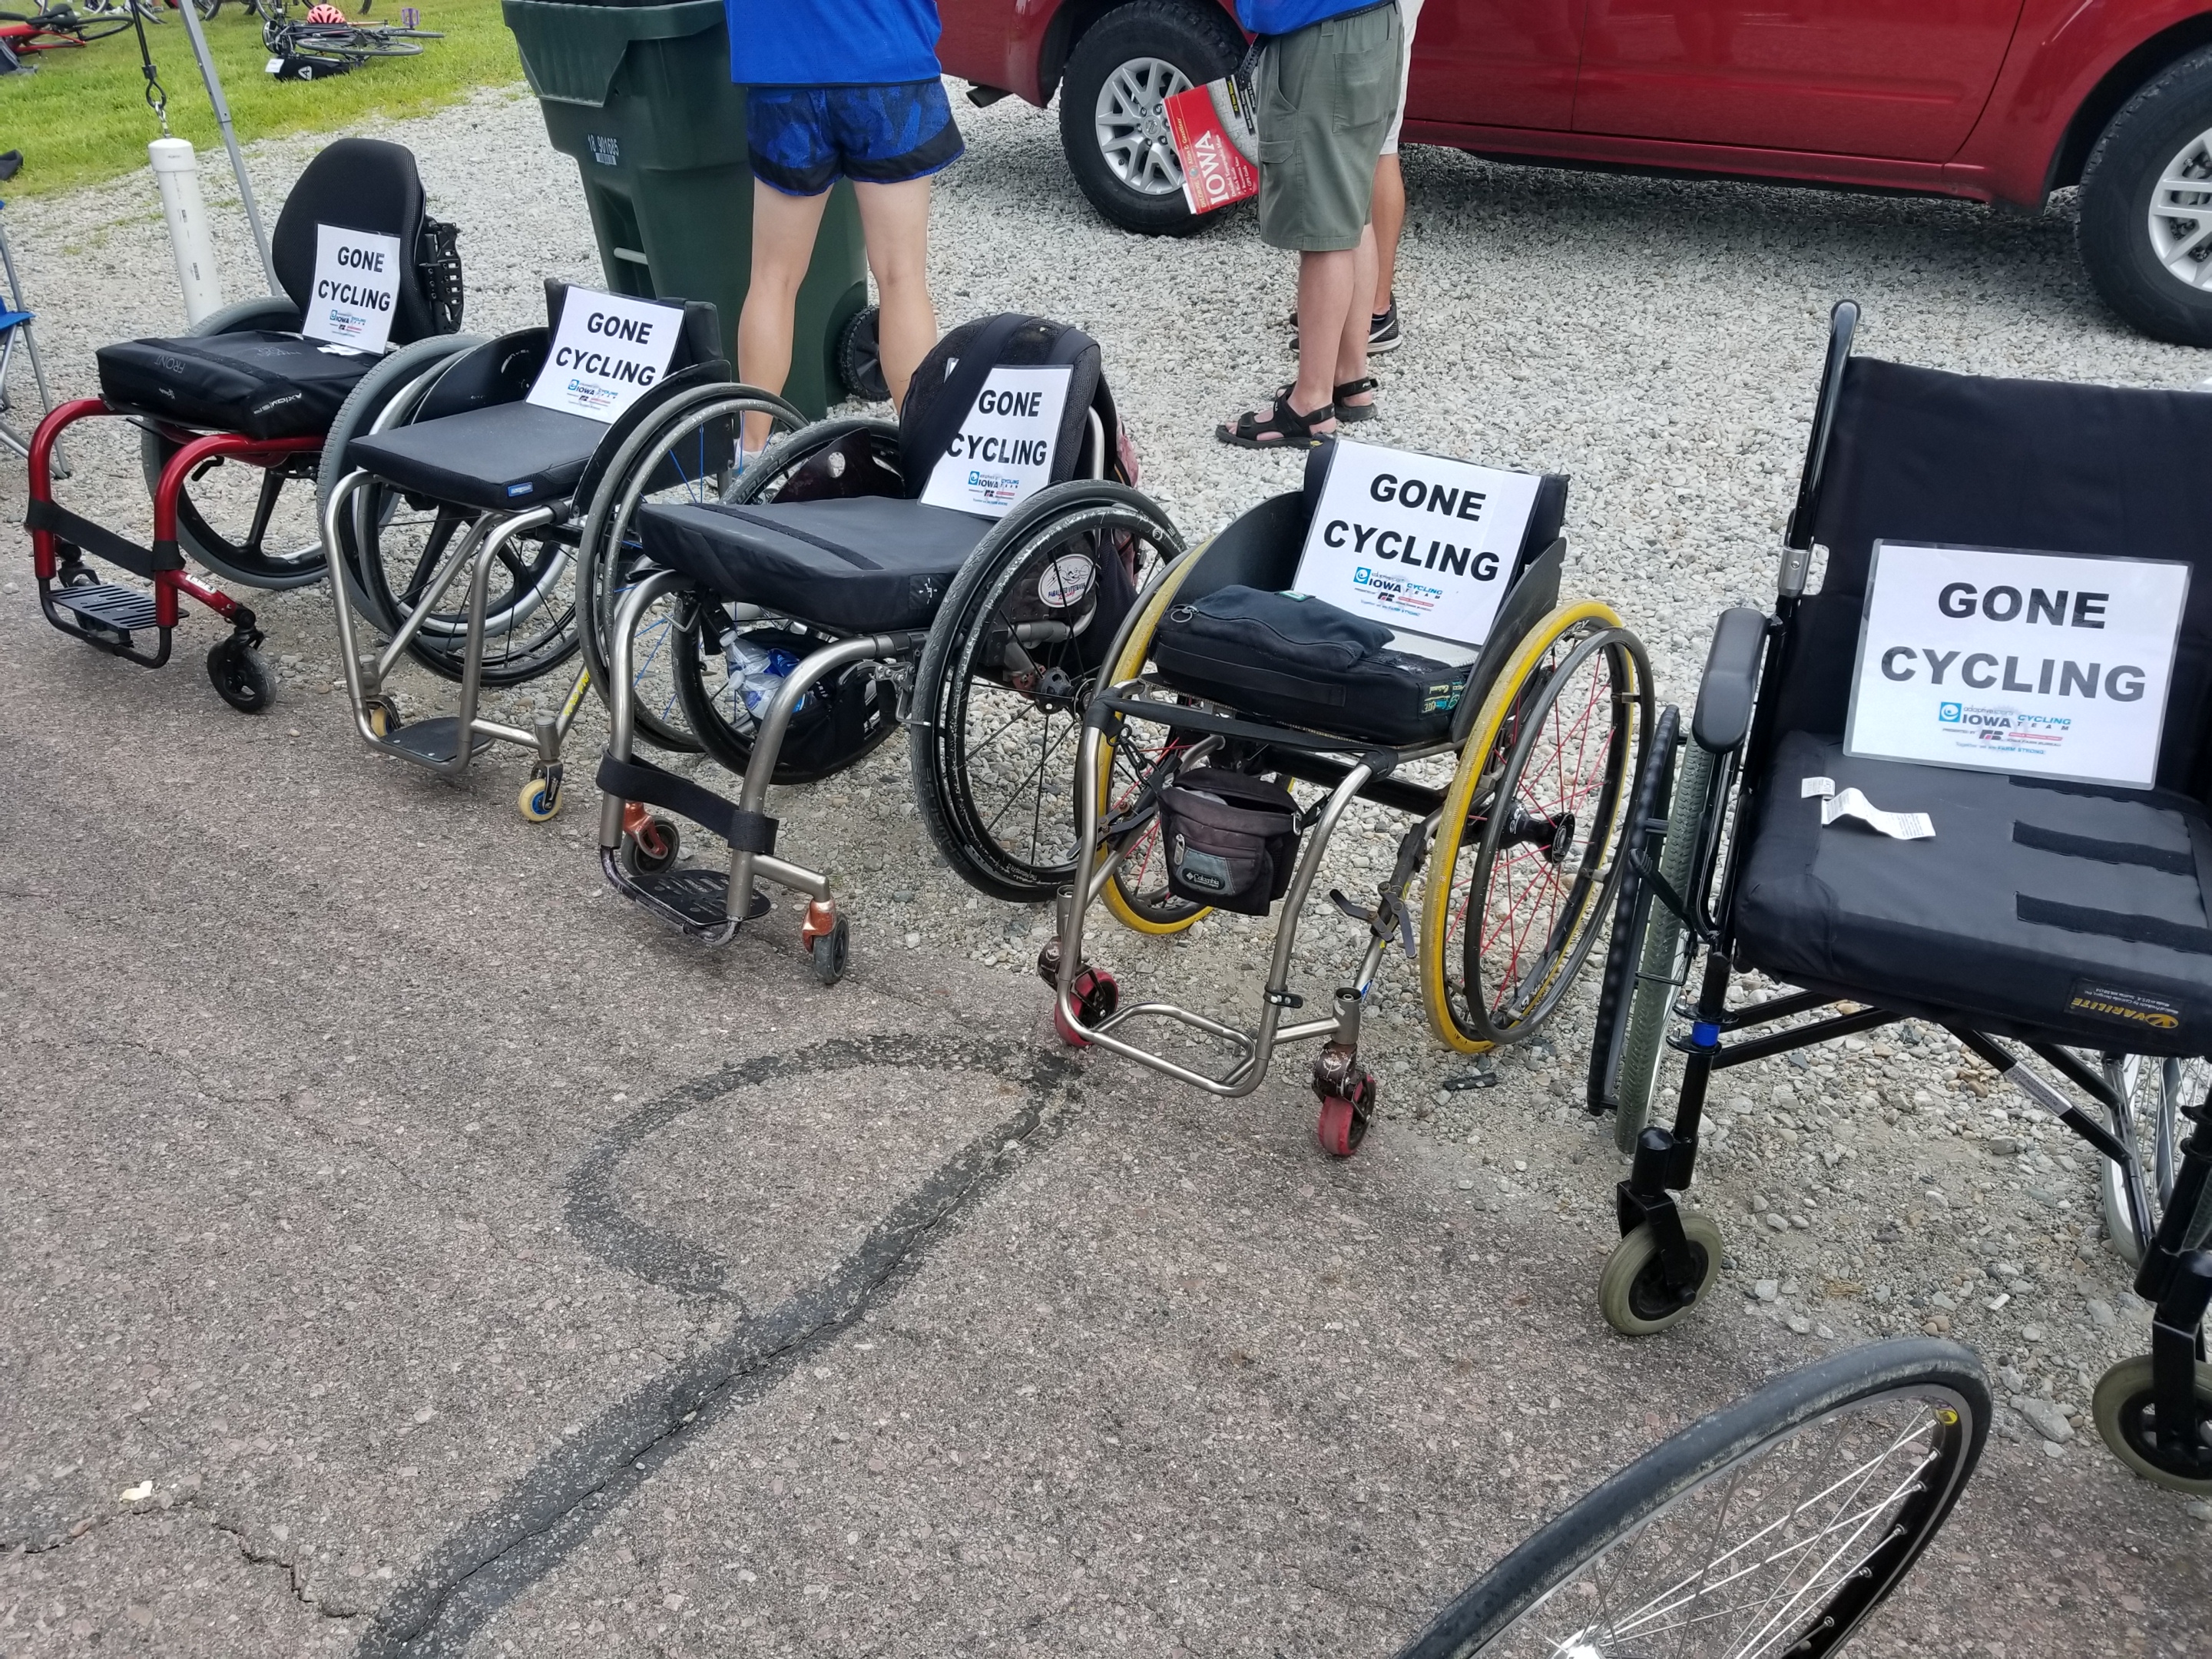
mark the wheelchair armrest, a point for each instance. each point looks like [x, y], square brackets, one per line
[1731, 680]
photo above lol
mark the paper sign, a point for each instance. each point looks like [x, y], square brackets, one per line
[1421, 543]
[2042, 664]
[1003, 453]
[1205, 124]
[1899, 826]
[608, 352]
[356, 286]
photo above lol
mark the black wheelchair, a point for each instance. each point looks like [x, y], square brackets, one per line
[2069, 919]
[1512, 768]
[790, 624]
[452, 507]
[244, 386]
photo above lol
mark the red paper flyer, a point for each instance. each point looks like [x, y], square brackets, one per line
[1214, 170]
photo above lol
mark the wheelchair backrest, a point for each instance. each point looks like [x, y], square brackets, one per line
[1917, 455]
[358, 184]
[501, 371]
[946, 382]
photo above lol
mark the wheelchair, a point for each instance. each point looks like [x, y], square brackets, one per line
[1512, 765]
[450, 521]
[2056, 913]
[793, 626]
[244, 385]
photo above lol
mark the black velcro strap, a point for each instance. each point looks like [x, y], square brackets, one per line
[2171, 860]
[98, 540]
[2115, 924]
[642, 781]
[860, 561]
[750, 832]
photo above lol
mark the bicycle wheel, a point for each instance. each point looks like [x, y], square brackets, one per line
[1523, 861]
[1775, 1526]
[2155, 1091]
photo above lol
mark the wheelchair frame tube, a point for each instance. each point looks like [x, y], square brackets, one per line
[622, 715]
[752, 798]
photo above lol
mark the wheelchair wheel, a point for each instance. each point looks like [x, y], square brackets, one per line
[1523, 861]
[1012, 659]
[2156, 1091]
[1630, 1288]
[1776, 1525]
[1632, 899]
[2124, 1409]
[683, 453]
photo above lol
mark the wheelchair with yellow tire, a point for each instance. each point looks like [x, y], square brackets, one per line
[1499, 719]
[1958, 775]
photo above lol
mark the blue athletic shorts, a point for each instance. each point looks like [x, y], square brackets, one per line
[804, 139]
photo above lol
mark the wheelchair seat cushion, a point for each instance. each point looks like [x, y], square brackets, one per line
[1290, 658]
[502, 457]
[258, 383]
[2074, 913]
[854, 565]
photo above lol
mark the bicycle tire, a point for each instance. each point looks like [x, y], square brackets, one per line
[1519, 1605]
[1660, 969]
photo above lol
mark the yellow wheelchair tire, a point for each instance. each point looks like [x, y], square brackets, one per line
[1129, 666]
[1437, 881]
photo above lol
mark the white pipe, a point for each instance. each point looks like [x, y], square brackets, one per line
[176, 170]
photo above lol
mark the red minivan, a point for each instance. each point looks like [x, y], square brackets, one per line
[1995, 100]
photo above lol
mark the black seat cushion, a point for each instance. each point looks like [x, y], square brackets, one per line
[503, 456]
[259, 384]
[2073, 912]
[855, 565]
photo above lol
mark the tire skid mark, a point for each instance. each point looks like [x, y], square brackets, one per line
[556, 1503]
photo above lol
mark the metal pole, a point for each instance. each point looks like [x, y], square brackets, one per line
[230, 143]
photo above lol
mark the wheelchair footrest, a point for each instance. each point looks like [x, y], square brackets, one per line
[691, 895]
[126, 609]
[437, 740]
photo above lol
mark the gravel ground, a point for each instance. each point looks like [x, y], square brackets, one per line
[1660, 341]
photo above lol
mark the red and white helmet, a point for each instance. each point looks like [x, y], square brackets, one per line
[324, 14]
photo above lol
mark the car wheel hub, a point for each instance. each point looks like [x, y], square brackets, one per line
[1132, 124]
[2181, 214]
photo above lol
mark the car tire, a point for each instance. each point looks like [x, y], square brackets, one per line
[2165, 129]
[1122, 51]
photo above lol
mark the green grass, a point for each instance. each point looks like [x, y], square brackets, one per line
[82, 117]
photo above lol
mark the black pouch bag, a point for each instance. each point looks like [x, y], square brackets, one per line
[1288, 657]
[1232, 839]
[841, 718]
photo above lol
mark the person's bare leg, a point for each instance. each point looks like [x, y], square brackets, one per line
[783, 245]
[1331, 304]
[895, 220]
[1389, 225]
[1351, 342]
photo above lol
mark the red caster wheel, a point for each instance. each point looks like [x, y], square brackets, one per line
[1096, 997]
[1347, 1092]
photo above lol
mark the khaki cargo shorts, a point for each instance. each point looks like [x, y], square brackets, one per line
[1327, 93]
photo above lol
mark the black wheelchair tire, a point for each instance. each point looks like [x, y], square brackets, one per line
[1659, 961]
[936, 737]
[1631, 903]
[1948, 1377]
[860, 357]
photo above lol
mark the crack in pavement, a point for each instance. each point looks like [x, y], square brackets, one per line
[238, 1535]
[557, 1503]
[183, 1509]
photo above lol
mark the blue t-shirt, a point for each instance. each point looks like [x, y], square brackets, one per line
[831, 43]
[1282, 16]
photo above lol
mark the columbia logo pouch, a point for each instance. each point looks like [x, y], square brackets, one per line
[1287, 657]
[1232, 839]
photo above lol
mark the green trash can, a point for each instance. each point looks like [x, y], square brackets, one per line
[641, 96]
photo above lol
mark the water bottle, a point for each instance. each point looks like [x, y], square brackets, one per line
[758, 672]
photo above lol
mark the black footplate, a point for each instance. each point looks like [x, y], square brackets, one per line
[436, 739]
[125, 610]
[691, 895]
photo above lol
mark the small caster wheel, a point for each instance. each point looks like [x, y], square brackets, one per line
[652, 847]
[829, 951]
[241, 679]
[1047, 962]
[2125, 1410]
[1632, 1291]
[1345, 1111]
[540, 799]
[1097, 996]
[383, 716]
